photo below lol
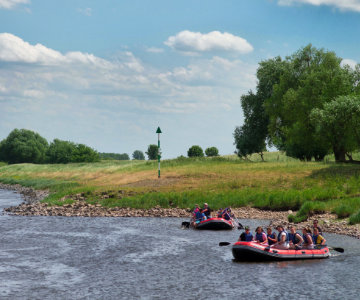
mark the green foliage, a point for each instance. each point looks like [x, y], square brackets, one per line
[152, 152]
[60, 152]
[195, 151]
[138, 155]
[212, 151]
[247, 142]
[312, 77]
[83, 153]
[115, 156]
[355, 218]
[23, 146]
[339, 121]
[343, 211]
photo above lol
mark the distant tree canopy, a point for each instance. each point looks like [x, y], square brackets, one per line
[23, 146]
[152, 152]
[26, 146]
[115, 156]
[138, 155]
[287, 93]
[212, 151]
[195, 151]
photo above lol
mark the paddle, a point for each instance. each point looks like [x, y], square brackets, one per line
[224, 244]
[185, 224]
[338, 249]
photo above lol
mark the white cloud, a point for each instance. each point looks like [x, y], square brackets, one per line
[348, 5]
[155, 50]
[192, 42]
[350, 62]
[11, 4]
[85, 11]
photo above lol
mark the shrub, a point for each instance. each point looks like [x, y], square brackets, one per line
[343, 211]
[115, 156]
[152, 152]
[139, 155]
[195, 151]
[355, 218]
[212, 151]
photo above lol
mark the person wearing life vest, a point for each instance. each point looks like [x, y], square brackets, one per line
[318, 239]
[295, 239]
[246, 236]
[206, 211]
[226, 215]
[315, 225]
[219, 213]
[308, 241]
[271, 236]
[198, 216]
[260, 236]
[282, 239]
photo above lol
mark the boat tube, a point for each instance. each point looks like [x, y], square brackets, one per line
[253, 251]
[215, 224]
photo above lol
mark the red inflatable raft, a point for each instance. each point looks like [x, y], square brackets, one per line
[252, 251]
[215, 224]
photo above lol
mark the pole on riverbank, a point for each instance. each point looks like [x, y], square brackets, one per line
[158, 131]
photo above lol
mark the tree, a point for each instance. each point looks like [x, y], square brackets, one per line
[60, 152]
[152, 152]
[23, 146]
[338, 121]
[195, 151]
[83, 153]
[247, 142]
[138, 155]
[116, 156]
[212, 151]
[312, 77]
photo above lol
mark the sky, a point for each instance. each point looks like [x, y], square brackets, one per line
[108, 73]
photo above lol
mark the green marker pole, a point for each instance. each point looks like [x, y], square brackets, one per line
[158, 131]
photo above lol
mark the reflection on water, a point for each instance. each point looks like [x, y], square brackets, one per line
[147, 258]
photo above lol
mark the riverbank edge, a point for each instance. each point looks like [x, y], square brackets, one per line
[80, 208]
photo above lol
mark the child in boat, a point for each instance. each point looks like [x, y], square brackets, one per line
[295, 239]
[308, 241]
[260, 236]
[318, 239]
[271, 236]
[282, 239]
[246, 236]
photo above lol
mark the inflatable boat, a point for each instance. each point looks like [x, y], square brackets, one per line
[252, 251]
[215, 224]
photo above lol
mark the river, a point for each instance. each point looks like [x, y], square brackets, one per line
[153, 258]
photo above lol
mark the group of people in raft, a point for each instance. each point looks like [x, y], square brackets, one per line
[201, 214]
[311, 237]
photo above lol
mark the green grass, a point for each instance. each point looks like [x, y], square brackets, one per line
[279, 183]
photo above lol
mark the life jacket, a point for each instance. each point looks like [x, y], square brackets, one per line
[260, 237]
[306, 239]
[198, 215]
[293, 238]
[248, 237]
[286, 236]
[226, 216]
[315, 239]
[272, 235]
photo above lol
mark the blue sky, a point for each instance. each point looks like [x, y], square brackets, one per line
[107, 73]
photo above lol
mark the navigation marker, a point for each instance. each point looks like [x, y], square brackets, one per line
[158, 131]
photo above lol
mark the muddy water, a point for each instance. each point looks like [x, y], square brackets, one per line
[151, 258]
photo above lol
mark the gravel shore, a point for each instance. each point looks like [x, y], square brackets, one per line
[80, 208]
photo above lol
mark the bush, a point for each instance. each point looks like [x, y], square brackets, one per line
[195, 151]
[115, 156]
[152, 152]
[83, 153]
[343, 211]
[355, 218]
[139, 155]
[23, 146]
[212, 151]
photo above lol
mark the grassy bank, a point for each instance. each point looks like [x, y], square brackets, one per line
[280, 183]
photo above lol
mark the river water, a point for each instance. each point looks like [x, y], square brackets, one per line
[153, 258]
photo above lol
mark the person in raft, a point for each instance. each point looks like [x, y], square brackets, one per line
[226, 214]
[246, 236]
[295, 239]
[219, 213]
[198, 216]
[282, 239]
[206, 211]
[271, 236]
[308, 241]
[260, 236]
[315, 225]
[318, 239]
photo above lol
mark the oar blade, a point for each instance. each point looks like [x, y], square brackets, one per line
[338, 249]
[224, 244]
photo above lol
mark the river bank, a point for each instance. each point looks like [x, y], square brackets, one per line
[80, 208]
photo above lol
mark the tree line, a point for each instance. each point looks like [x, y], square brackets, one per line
[307, 105]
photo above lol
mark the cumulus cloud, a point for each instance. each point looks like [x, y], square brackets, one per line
[349, 62]
[85, 11]
[194, 42]
[347, 5]
[11, 4]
